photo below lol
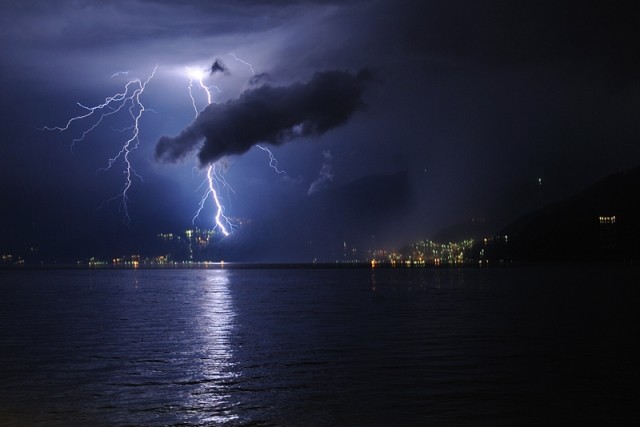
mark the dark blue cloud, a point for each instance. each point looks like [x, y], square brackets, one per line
[218, 67]
[269, 114]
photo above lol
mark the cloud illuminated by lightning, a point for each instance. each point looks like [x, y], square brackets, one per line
[326, 173]
[130, 97]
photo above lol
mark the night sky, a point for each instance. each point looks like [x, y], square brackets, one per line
[474, 101]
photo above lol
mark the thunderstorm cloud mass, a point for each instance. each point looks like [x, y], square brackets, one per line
[269, 114]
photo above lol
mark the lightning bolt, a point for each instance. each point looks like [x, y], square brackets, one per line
[129, 99]
[214, 175]
[273, 162]
[114, 104]
[198, 76]
[130, 96]
[136, 110]
[221, 221]
[244, 62]
[192, 76]
[120, 73]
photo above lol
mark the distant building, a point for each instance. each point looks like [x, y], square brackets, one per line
[428, 252]
[608, 235]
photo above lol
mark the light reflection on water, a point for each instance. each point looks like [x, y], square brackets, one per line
[216, 324]
[117, 348]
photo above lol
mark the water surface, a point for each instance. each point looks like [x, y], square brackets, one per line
[523, 345]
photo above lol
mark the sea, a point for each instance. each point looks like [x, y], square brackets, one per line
[519, 345]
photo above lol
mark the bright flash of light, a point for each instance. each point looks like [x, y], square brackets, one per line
[130, 97]
[273, 162]
[199, 76]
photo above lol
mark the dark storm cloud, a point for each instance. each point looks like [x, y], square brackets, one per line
[259, 79]
[218, 67]
[269, 114]
[519, 33]
[556, 31]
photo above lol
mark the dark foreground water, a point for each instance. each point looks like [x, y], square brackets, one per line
[538, 345]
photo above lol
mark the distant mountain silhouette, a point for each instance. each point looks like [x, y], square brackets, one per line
[571, 230]
[316, 227]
